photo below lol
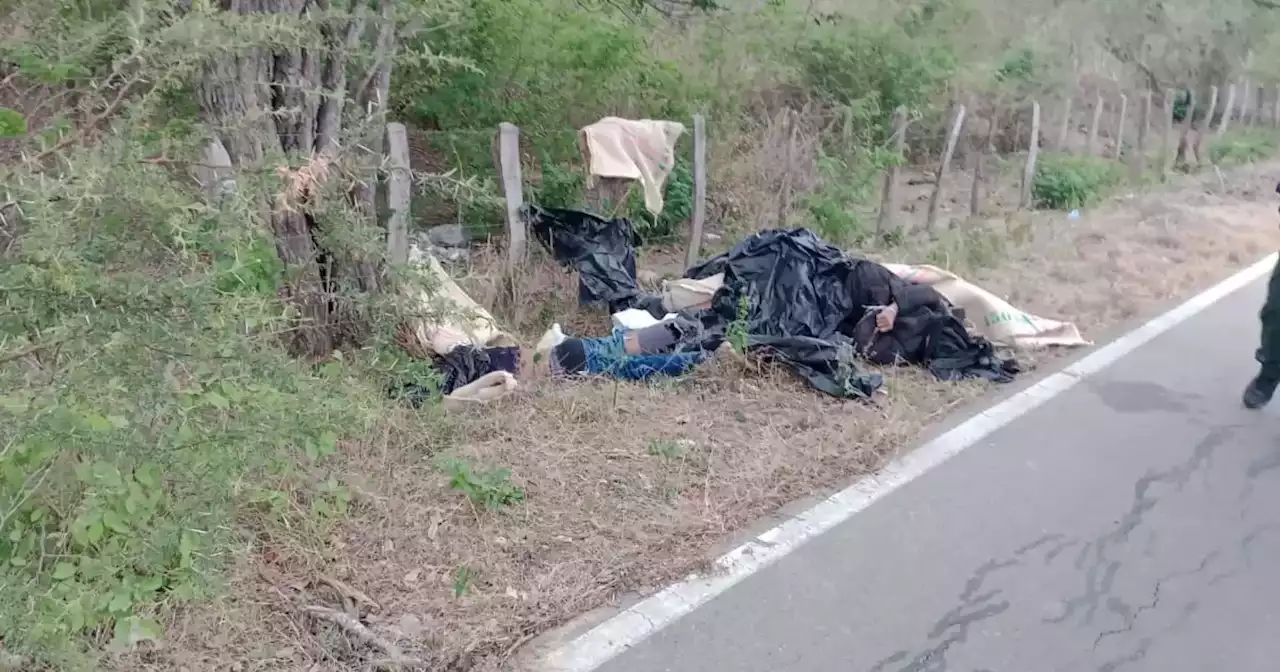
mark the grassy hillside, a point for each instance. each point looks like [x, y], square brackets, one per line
[155, 431]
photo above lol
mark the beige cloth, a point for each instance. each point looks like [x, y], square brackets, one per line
[992, 316]
[687, 292]
[486, 388]
[451, 318]
[643, 150]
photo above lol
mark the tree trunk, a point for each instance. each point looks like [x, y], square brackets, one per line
[277, 106]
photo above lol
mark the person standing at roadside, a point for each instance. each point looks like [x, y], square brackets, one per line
[1263, 386]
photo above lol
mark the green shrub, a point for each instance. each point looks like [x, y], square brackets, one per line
[850, 182]
[151, 423]
[542, 65]
[876, 66]
[563, 187]
[1245, 146]
[1066, 182]
[157, 408]
[677, 205]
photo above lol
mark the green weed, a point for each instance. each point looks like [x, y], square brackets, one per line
[463, 578]
[1066, 182]
[665, 449]
[1244, 146]
[488, 489]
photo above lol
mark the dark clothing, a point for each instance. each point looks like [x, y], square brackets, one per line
[802, 293]
[1268, 354]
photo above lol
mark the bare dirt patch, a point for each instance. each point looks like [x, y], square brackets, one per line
[628, 487]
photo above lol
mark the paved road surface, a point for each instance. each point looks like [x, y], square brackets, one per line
[1130, 523]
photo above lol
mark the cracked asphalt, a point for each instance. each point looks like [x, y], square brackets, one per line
[1130, 523]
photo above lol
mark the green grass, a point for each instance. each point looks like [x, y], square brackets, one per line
[1244, 146]
[1066, 182]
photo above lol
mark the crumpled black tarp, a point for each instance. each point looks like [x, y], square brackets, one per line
[461, 366]
[800, 287]
[603, 252]
[807, 303]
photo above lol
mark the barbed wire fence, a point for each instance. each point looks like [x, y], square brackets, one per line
[519, 165]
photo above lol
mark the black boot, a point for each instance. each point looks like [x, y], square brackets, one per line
[1260, 390]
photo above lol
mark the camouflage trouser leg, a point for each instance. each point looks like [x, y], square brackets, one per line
[1269, 349]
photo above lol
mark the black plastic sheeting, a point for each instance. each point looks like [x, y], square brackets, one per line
[461, 366]
[807, 298]
[807, 304]
[603, 252]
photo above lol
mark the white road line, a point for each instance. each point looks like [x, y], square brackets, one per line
[633, 625]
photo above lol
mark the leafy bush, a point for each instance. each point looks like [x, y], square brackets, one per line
[876, 66]
[1244, 146]
[539, 65]
[850, 181]
[153, 393]
[149, 415]
[677, 205]
[1065, 182]
[563, 187]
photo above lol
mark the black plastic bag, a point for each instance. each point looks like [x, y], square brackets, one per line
[798, 291]
[603, 252]
[461, 366]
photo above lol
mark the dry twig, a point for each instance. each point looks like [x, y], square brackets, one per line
[360, 631]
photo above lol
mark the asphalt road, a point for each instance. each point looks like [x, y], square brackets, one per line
[1130, 523]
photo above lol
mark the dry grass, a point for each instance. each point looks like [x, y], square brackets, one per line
[629, 486]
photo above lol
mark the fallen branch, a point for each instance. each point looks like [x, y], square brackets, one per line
[348, 593]
[361, 632]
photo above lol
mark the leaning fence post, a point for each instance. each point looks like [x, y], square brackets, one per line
[1207, 127]
[399, 193]
[1144, 128]
[1228, 109]
[889, 195]
[1098, 104]
[1033, 149]
[1124, 109]
[699, 190]
[1065, 125]
[513, 188]
[979, 164]
[1244, 102]
[952, 137]
[1186, 152]
[1275, 109]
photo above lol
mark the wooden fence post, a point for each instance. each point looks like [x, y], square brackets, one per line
[1098, 104]
[1275, 109]
[1245, 117]
[399, 193]
[952, 138]
[1124, 109]
[889, 195]
[979, 164]
[699, 189]
[1166, 155]
[1144, 128]
[788, 121]
[1228, 109]
[1213, 109]
[513, 188]
[1186, 141]
[1207, 127]
[1064, 126]
[1033, 149]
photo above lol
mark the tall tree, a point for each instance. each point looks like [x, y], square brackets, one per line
[307, 88]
